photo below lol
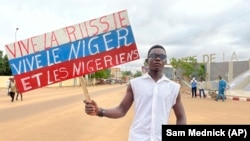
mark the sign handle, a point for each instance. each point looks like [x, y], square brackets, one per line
[84, 88]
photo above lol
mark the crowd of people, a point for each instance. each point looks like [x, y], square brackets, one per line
[200, 87]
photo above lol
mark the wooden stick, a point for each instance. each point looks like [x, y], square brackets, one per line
[84, 88]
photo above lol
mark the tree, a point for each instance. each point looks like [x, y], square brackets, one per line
[126, 73]
[2, 67]
[201, 71]
[4, 64]
[188, 65]
[101, 74]
[138, 73]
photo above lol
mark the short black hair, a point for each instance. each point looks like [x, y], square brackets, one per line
[156, 46]
[219, 77]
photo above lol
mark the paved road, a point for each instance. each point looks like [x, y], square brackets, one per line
[56, 114]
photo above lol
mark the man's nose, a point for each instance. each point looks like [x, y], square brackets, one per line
[157, 57]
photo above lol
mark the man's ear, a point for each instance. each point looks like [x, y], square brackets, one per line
[165, 62]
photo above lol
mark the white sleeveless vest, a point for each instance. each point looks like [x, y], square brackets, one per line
[153, 102]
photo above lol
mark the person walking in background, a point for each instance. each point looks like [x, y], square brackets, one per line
[8, 86]
[18, 93]
[193, 87]
[153, 94]
[12, 90]
[221, 89]
[201, 88]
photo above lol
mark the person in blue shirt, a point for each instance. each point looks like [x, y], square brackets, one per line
[193, 87]
[221, 88]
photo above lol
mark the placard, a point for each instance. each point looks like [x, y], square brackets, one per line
[72, 51]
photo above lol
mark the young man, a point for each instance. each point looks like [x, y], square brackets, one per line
[18, 93]
[201, 88]
[193, 87]
[153, 94]
[12, 90]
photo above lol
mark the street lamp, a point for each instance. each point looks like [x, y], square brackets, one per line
[15, 34]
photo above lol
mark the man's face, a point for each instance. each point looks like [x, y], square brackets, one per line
[157, 59]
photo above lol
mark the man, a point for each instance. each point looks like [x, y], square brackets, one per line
[201, 88]
[193, 87]
[221, 89]
[12, 90]
[18, 93]
[153, 94]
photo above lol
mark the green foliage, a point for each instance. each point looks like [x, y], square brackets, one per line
[145, 62]
[138, 73]
[190, 66]
[201, 72]
[4, 65]
[126, 73]
[101, 74]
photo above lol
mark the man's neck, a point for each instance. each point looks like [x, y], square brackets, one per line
[156, 75]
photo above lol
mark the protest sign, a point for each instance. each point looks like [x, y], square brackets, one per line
[72, 51]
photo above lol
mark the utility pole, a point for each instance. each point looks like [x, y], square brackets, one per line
[16, 34]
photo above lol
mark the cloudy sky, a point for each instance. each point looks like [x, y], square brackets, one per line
[184, 27]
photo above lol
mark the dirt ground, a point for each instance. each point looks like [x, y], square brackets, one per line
[57, 114]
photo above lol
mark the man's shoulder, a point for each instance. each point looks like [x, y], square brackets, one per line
[175, 83]
[136, 79]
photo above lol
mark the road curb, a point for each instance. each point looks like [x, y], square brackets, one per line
[239, 98]
[235, 98]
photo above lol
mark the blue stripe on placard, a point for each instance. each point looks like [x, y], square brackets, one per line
[81, 48]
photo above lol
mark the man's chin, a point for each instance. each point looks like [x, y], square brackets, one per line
[156, 69]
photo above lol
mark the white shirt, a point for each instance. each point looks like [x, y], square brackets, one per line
[8, 83]
[201, 84]
[153, 102]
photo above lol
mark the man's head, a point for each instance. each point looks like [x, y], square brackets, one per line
[219, 77]
[156, 58]
[11, 79]
[156, 47]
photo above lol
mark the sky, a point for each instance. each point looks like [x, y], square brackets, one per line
[207, 29]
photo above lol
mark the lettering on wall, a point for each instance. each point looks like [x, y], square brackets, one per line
[206, 58]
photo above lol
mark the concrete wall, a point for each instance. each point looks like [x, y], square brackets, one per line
[222, 68]
[241, 82]
[230, 71]
[3, 80]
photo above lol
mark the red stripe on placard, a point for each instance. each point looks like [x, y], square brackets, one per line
[74, 68]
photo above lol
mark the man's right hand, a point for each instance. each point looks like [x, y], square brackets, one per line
[91, 107]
